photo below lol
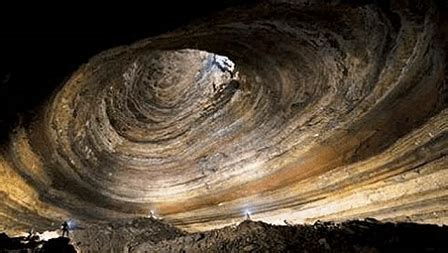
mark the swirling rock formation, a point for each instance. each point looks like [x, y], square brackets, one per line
[328, 111]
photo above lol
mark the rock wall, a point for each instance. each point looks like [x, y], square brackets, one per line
[332, 111]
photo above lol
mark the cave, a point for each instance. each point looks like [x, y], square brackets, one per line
[301, 126]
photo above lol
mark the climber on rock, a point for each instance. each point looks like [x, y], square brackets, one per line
[287, 222]
[33, 240]
[64, 228]
[248, 215]
[30, 234]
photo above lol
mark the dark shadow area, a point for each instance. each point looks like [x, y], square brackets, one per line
[22, 244]
[153, 235]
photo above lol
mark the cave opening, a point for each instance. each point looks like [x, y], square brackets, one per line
[277, 126]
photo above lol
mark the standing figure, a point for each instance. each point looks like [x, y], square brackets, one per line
[64, 228]
[30, 234]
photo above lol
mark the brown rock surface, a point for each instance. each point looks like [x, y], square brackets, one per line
[150, 235]
[335, 111]
[254, 236]
[123, 235]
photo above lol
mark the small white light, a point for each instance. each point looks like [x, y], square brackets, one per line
[71, 224]
[247, 214]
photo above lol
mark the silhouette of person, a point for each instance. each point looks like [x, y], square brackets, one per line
[30, 234]
[32, 239]
[64, 228]
[287, 223]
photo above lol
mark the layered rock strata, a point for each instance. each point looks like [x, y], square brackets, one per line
[296, 110]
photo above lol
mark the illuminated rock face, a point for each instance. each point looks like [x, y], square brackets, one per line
[330, 112]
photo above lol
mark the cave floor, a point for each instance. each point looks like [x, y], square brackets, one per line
[151, 235]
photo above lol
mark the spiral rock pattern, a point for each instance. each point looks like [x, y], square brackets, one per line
[321, 111]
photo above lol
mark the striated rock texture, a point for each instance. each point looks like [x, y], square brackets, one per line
[322, 111]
